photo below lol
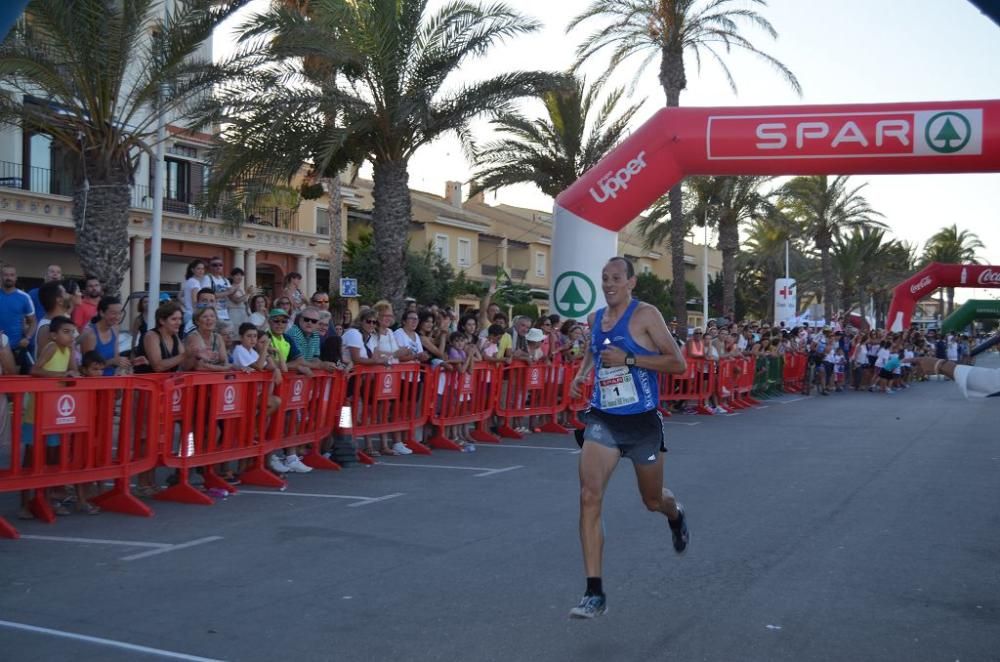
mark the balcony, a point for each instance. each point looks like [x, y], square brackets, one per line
[36, 180]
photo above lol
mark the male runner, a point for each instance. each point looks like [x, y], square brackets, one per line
[629, 344]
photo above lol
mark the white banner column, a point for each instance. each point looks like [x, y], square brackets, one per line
[580, 250]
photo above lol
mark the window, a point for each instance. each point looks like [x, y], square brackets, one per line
[322, 221]
[464, 253]
[178, 180]
[540, 264]
[646, 269]
[441, 246]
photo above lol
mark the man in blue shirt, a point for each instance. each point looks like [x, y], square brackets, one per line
[53, 273]
[17, 315]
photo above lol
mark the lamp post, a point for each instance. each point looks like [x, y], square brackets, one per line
[712, 202]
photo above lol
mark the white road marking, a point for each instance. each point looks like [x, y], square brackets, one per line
[667, 420]
[485, 471]
[361, 500]
[785, 402]
[99, 541]
[375, 500]
[171, 548]
[536, 448]
[498, 471]
[101, 641]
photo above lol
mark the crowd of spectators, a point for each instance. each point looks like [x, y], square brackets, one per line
[66, 328]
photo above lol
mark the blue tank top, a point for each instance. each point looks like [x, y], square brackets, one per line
[107, 349]
[621, 390]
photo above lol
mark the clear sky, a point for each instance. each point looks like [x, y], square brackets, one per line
[850, 51]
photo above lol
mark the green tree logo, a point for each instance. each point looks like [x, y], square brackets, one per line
[942, 134]
[574, 294]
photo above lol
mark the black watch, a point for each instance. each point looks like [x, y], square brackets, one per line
[630, 359]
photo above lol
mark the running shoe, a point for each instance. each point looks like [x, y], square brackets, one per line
[295, 465]
[679, 531]
[591, 606]
[400, 448]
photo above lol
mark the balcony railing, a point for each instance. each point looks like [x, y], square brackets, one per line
[36, 180]
[44, 180]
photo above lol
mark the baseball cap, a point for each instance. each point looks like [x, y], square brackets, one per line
[277, 312]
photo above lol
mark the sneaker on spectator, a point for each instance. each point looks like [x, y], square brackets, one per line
[295, 465]
[277, 464]
[469, 447]
[591, 606]
[399, 448]
[719, 410]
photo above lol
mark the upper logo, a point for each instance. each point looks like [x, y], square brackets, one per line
[610, 184]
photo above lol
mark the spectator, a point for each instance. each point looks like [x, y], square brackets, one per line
[432, 338]
[332, 349]
[101, 335]
[86, 309]
[387, 345]
[194, 281]
[17, 316]
[470, 327]
[285, 304]
[236, 302]
[304, 333]
[54, 304]
[204, 347]
[216, 279]
[513, 343]
[293, 292]
[361, 343]
[288, 356]
[408, 338]
[205, 298]
[53, 273]
[137, 327]
[259, 309]
[461, 361]
[320, 300]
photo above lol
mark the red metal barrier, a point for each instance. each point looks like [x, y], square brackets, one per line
[575, 405]
[212, 418]
[530, 389]
[71, 431]
[388, 399]
[462, 398]
[794, 373]
[744, 382]
[696, 384]
[726, 384]
[329, 392]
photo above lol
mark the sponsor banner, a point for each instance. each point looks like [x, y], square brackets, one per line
[57, 413]
[229, 400]
[580, 251]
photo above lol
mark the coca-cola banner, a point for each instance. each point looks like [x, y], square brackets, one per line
[935, 275]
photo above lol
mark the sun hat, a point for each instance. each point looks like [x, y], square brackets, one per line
[535, 335]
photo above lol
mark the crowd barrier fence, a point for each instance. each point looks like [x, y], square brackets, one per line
[531, 390]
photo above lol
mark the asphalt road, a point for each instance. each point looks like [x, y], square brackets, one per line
[849, 527]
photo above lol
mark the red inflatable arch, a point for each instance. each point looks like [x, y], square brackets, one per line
[896, 138]
[935, 275]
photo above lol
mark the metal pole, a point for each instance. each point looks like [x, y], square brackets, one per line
[156, 243]
[786, 259]
[704, 279]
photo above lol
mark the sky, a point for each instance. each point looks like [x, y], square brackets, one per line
[850, 51]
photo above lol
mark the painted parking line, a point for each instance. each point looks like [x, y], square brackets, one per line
[111, 643]
[155, 548]
[484, 471]
[359, 500]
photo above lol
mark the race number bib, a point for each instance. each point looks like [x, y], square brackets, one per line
[617, 387]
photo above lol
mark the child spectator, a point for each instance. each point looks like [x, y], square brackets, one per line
[460, 361]
[839, 369]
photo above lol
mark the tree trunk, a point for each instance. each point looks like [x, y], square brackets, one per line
[334, 213]
[729, 245]
[100, 215]
[829, 287]
[391, 224]
[678, 283]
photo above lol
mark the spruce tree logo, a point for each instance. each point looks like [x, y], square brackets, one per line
[574, 294]
[948, 132]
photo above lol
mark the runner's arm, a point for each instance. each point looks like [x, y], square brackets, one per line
[655, 329]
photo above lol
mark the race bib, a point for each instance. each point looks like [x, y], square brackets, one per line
[617, 387]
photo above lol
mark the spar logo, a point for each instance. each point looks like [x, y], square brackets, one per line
[614, 182]
[297, 390]
[229, 398]
[920, 284]
[846, 135]
[989, 278]
[387, 383]
[65, 406]
[175, 402]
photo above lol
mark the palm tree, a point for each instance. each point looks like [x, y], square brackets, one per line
[826, 209]
[763, 252]
[952, 246]
[390, 65]
[857, 258]
[554, 151]
[671, 28]
[90, 74]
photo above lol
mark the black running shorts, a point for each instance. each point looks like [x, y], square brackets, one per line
[639, 437]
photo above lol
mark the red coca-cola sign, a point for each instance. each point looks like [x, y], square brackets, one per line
[989, 278]
[921, 284]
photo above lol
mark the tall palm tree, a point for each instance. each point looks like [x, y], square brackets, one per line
[553, 151]
[952, 246]
[89, 74]
[767, 235]
[827, 208]
[857, 257]
[671, 28]
[391, 67]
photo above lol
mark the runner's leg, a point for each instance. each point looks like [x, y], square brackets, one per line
[597, 462]
[655, 497]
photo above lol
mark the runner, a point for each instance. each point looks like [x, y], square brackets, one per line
[630, 343]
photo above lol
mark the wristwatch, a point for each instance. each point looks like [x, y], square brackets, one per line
[630, 359]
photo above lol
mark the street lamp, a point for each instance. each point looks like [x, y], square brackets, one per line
[712, 202]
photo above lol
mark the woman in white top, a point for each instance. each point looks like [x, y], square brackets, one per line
[408, 338]
[194, 280]
[236, 301]
[387, 344]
